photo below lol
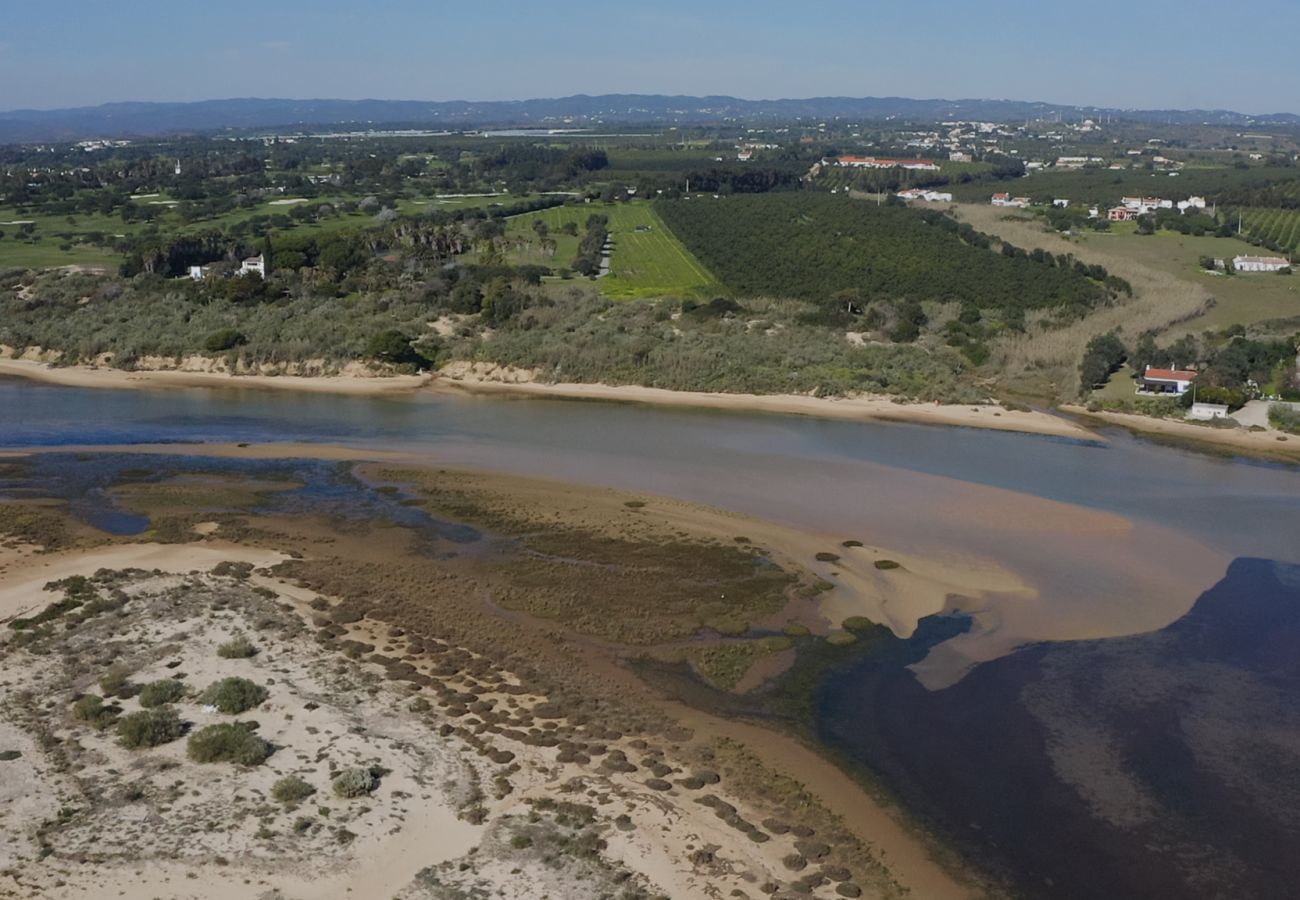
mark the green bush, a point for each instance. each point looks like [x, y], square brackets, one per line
[291, 790]
[231, 742]
[91, 710]
[223, 339]
[149, 728]
[238, 647]
[354, 783]
[1284, 418]
[114, 681]
[165, 690]
[234, 695]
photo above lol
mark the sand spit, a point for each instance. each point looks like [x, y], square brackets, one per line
[1269, 444]
[482, 378]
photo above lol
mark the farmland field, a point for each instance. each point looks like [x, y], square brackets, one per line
[646, 263]
[1276, 229]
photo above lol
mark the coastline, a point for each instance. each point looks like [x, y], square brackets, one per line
[93, 377]
[866, 408]
[465, 379]
[1267, 445]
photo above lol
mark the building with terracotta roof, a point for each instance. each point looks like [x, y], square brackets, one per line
[1165, 381]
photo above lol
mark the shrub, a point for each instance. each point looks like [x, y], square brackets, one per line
[165, 690]
[232, 742]
[223, 339]
[238, 647]
[1284, 417]
[149, 728]
[886, 564]
[234, 695]
[291, 790]
[113, 681]
[355, 783]
[91, 710]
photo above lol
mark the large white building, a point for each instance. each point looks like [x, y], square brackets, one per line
[927, 196]
[879, 162]
[1260, 263]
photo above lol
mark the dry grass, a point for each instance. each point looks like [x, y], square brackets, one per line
[1044, 360]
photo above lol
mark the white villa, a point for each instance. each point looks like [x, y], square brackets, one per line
[1260, 263]
[253, 265]
[1005, 199]
[927, 196]
[1165, 381]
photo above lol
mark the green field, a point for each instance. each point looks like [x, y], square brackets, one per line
[647, 263]
[1278, 229]
[1239, 299]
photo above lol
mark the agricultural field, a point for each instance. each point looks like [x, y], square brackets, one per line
[1239, 299]
[647, 261]
[1107, 186]
[1276, 229]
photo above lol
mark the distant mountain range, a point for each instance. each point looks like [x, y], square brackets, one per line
[122, 120]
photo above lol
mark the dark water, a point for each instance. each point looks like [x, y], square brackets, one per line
[321, 488]
[1158, 765]
[1163, 765]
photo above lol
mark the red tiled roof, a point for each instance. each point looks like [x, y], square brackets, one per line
[1168, 374]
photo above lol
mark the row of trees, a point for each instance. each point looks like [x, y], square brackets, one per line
[815, 247]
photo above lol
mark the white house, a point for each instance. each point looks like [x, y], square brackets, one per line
[958, 156]
[1191, 203]
[1004, 199]
[1204, 412]
[253, 265]
[1260, 263]
[927, 196]
[1165, 381]
[877, 162]
[1063, 204]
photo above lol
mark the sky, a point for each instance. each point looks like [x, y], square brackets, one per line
[1133, 54]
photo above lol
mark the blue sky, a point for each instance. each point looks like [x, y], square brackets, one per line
[1137, 53]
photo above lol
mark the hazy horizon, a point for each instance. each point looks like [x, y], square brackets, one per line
[1163, 55]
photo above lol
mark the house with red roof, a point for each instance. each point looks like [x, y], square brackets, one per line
[1165, 381]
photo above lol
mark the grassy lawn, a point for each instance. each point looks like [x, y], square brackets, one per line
[1240, 299]
[650, 263]
[46, 254]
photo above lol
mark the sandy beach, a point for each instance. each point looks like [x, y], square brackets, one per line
[491, 380]
[94, 377]
[481, 379]
[1261, 444]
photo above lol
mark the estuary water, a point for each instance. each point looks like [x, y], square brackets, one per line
[1119, 725]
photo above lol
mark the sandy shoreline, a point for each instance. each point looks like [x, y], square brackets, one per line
[1259, 444]
[90, 377]
[879, 409]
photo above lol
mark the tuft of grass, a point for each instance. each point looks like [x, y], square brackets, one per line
[840, 638]
[827, 557]
[238, 647]
[886, 564]
[291, 790]
[352, 783]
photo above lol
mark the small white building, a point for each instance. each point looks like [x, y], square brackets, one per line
[1260, 263]
[1063, 204]
[1005, 199]
[1204, 412]
[254, 265]
[926, 196]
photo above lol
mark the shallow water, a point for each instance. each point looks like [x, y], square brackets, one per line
[1067, 761]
